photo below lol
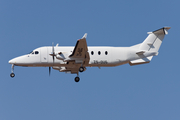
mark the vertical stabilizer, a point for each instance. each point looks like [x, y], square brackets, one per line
[150, 46]
[154, 40]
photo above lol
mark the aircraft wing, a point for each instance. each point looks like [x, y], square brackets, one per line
[80, 53]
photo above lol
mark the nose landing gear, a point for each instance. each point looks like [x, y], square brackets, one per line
[12, 71]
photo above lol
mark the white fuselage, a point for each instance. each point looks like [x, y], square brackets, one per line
[99, 56]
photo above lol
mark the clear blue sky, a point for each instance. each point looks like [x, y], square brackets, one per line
[144, 92]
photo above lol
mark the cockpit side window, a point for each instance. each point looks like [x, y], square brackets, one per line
[36, 52]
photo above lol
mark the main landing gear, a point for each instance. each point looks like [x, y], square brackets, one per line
[81, 69]
[77, 79]
[12, 71]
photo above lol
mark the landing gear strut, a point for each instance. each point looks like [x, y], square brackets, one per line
[12, 71]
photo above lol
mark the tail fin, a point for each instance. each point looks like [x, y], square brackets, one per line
[150, 46]
[154, 40]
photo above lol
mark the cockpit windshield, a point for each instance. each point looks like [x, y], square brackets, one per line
[34, 52]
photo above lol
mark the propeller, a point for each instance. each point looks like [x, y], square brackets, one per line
[53, 51]
[52, 54]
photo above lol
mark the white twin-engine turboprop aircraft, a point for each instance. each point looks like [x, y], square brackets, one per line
[76, 59]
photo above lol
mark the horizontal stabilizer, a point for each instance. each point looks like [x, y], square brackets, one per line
[147, 53]
[140, 52]
[141, 61]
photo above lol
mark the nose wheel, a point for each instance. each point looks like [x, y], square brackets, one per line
[12, 75]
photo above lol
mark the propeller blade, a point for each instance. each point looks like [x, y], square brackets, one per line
[49, 71]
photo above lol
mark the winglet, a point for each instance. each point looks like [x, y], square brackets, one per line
[85, 36]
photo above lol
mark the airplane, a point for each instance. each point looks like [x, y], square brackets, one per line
[73, 60]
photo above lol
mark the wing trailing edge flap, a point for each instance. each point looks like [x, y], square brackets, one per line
[141, 61]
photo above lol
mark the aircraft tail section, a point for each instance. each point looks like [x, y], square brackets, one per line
[150, 46]
[154, 40]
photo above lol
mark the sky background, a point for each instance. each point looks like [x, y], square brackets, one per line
[144, 92]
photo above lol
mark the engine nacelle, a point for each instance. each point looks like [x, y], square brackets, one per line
[60, 69]
[56, 68]
[60, 56]
[63, 55]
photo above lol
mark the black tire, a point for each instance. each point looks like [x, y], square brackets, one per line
[81, 69]
[12, 75]
[76, 79]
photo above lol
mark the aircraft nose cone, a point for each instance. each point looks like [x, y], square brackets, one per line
[11, 61]
[18, 60]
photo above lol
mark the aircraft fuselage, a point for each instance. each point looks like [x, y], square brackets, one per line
[99, 56]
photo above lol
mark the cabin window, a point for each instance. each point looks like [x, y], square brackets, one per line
[99, 52]
[92, 53]
[106, 52]
[36, 52]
